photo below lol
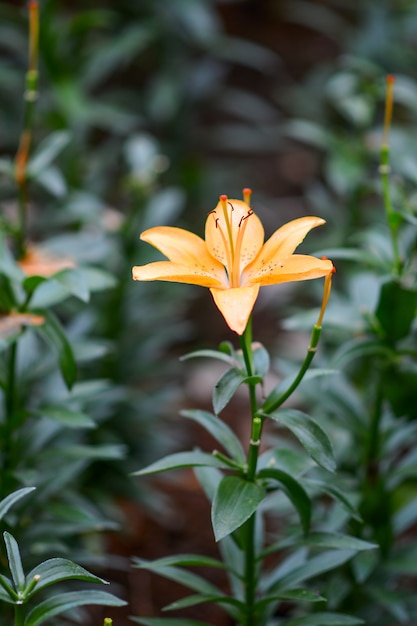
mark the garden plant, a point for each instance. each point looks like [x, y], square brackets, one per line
[115, 120]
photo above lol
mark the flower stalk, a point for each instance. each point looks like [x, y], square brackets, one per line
[393, 218]
[22, 156]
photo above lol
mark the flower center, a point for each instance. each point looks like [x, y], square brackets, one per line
[231, 227]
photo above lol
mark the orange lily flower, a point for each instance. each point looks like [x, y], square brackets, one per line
[233, 261]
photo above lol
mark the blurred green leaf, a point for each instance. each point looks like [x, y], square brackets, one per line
[53, 332]
[325, 619]
[220, 431]
[310, 435]
[68, 417]
[396, 310]
[181, 459]
[10, 500]
[47, 151]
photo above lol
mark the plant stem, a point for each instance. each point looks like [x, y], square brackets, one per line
[22, 156]
[10, 408]
[19, 615]
[250, 574]
[311, 351]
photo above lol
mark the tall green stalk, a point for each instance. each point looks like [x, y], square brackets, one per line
[255, 440]
[22, 156]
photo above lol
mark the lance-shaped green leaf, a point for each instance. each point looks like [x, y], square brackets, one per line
[295, 492]
[309, 434]
[209, 354]
[220, 431]
[335, 493]
[317, 565]
[63, 602]
[196, 599]
[299, 595]
[167, 621]
[47, 151]
[236, 499]
[9, 500]
[226, 387]
[74, 282]
[320, 540]
[53, 332]
[177, 460]
[191, 580]
[15, 562]
[67, 417]
[56, 570]
[325, 619]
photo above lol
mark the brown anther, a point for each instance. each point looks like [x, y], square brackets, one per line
[245, 217]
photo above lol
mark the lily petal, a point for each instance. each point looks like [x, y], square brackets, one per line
[174, 272]
[236, 305]
[294, 267]
[179, 245]
[281, 245]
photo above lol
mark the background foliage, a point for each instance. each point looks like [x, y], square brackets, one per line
[147, 111]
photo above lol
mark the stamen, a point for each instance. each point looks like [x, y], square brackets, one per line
[239, 240]
[224, 202]
[245, 217]
[247, 192]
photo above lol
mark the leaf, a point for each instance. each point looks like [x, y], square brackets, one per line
[317, 565]
[299, 595]
[74, 282]
[188, 560]
[396, 310]
[220, 431]
[336, 494]
[15, 561]
[310, 435]
[209, 354]
[57, 570]
[68, 417]
[65, 601]
[52, 331]
[320, 540]
[181, 459]
[295, 492]
[235, 500]
[325, 619]
[167, 621]
[47, 151]
[202, 598]
[98, 279]
[189, 579]
[9, 500]
[226, 387]
[261, 360]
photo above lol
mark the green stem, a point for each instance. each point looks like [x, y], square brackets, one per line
[19, 615]
[250, 571]
[250, 575]
[311, 351]
[374, 435]
[10, 409]
[392, 216]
